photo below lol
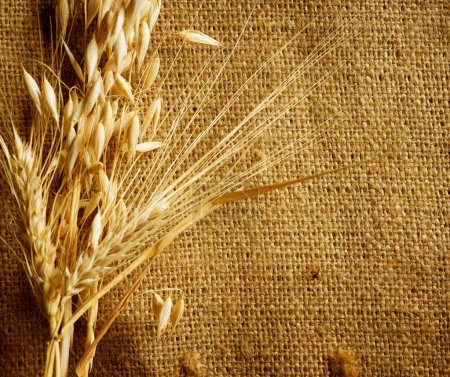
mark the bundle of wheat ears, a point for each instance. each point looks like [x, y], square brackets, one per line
[105, 180]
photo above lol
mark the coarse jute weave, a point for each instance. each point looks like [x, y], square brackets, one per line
[357, 260]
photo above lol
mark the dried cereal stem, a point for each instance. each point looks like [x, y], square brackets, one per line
[86, 208]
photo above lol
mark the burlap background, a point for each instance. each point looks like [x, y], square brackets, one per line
[357, 260]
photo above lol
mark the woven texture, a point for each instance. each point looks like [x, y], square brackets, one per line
[356, 260]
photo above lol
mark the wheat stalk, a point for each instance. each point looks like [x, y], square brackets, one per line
[84, 218]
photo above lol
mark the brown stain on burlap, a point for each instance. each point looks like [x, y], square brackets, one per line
[374, 240]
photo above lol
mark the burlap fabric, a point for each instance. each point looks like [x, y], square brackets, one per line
[356, 260]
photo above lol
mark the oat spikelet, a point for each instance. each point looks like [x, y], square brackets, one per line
[92, 10]
[133, 136]
[151, 119]
[154, 13]
[91, 205]
[99, 141]
[33, 89]
[195, 37]
[62, 16]
[50, 99]
[144, 34]
[148, 146]
[94, 93]
[164, 316]
[73, 154]
[157, 305]
[76, 67]
[120, 51]
[123, 87]
[96, 230]
[91, 59]
[151, 72]
[177, 313]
